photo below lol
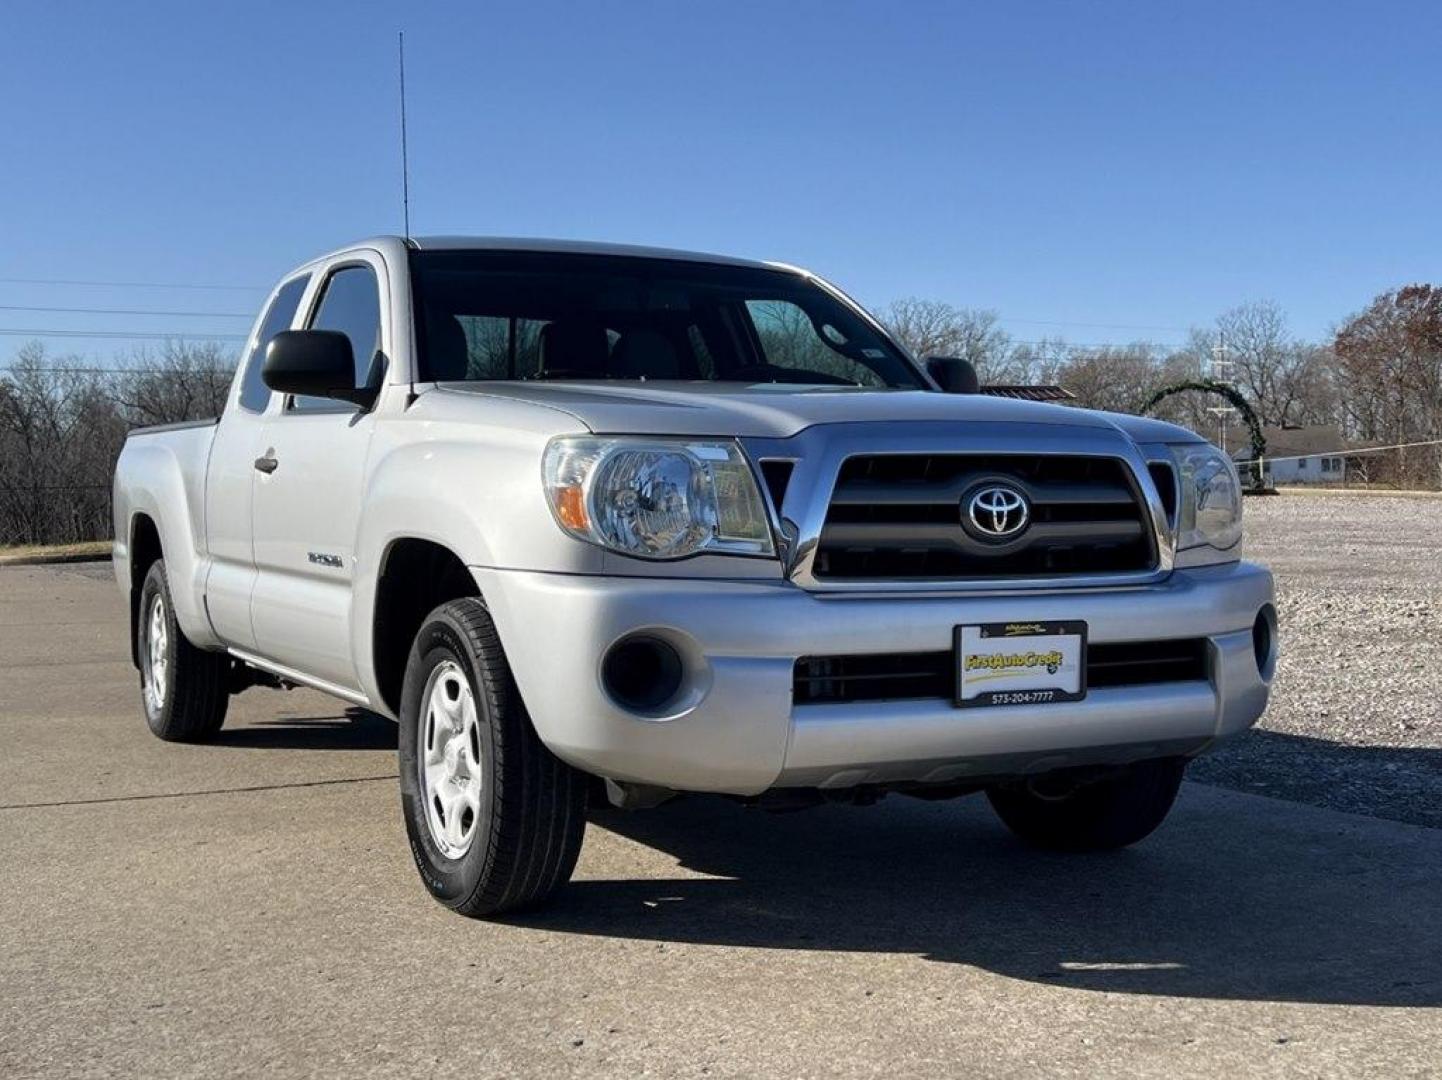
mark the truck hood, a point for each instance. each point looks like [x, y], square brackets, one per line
[778, 411]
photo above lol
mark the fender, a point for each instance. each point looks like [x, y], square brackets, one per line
[475, 490]
[152, 478]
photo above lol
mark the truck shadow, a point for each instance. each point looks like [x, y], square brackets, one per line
[1237, 897]
[355, 729]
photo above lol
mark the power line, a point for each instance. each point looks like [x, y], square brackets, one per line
[1095, 346]
[129, 311]
[1354, 452]
[131, 284]
[124, 334]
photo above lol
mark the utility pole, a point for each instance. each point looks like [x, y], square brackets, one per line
[1221, 369]
[1221, 374]
[1224, 414]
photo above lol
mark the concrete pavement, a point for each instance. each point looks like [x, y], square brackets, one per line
[250, 906]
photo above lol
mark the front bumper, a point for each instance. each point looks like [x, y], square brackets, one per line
[737, 730]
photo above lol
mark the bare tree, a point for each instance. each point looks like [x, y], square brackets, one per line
[1389, 360]
[936, 328]
[59, 436]
[183, 381]
[1118, 379]
[63, 422]
[1286, 380]
[1042, 361]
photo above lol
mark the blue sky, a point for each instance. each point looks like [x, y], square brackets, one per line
[1068, 164]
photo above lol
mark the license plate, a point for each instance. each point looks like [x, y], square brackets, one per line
[1020, 663]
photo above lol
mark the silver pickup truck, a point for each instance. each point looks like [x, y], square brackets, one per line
[597, 522]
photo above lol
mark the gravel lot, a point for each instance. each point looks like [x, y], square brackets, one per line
[1356, 716]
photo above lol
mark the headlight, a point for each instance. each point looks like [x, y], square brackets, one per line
[656, 498]
[1209, 513]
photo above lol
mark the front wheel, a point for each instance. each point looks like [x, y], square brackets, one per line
[1108, 813]
[495, 820]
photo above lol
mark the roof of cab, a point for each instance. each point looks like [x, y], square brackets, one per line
[395, 246]
[572, 247]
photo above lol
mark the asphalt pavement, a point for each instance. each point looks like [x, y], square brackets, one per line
[249, 908]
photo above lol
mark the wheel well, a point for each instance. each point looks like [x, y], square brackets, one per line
[144, 551]
[417, 576]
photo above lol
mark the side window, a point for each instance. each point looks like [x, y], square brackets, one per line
[350, 303]
[254, 394]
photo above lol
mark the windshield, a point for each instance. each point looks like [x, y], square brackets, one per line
[483, 315]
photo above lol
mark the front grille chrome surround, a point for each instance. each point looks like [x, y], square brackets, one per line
[821, 452]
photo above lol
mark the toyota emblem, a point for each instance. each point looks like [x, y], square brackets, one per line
[998, 511]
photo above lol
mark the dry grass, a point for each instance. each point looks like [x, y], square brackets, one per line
[98, 549]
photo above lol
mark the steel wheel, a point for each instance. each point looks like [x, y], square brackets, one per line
[449, 764]
[157, 653]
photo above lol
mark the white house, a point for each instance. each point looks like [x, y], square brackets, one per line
[1300, 455]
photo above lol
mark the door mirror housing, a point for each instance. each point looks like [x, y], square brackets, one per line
[314, 363]
[954, 375]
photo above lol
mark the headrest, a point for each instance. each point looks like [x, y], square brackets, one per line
[448, 355]
[574, 348]
[645, 354]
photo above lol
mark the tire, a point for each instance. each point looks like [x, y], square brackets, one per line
[1099, 816]
[184, 690]
[495, 820]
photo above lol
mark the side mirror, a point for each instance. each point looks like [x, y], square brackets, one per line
[954, 375]
[314, 363]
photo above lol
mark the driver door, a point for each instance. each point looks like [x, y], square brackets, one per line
[309, 485]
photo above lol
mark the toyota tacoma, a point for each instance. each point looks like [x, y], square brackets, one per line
[596, 523]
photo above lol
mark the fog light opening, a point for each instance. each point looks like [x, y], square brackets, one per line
[1264, 641]
[642, 673]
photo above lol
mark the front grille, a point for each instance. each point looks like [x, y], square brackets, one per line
[819, 680]
[900, 516]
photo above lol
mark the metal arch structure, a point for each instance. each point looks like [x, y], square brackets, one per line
[1238, 402]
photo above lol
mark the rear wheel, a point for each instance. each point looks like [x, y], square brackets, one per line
[1108, 813]
[184, 690]
[495, 820]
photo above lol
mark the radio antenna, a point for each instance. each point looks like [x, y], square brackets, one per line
[405, 157]
[406, 188]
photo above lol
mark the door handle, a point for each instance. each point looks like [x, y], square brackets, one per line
[267, 464]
